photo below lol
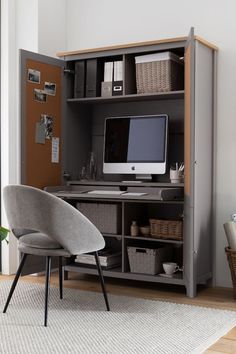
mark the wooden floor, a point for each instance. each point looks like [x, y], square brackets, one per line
[221, 298]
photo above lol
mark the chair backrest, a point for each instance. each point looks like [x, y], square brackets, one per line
[34, 209]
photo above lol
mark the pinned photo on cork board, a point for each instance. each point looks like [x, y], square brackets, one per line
[50, 88]
[47, 122]
[40, 96]
[33, 76]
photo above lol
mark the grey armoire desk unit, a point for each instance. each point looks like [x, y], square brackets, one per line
[79, 124]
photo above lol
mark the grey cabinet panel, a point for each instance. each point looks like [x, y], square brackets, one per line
[203, 174]
[189, 137]
[189, 255]
[189, 116]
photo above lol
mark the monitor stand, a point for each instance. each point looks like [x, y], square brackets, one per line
[139, 178]
[143, 177]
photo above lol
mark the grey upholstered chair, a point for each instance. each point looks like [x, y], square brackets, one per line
[48, 226]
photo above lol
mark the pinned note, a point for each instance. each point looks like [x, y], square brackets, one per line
[55, 150]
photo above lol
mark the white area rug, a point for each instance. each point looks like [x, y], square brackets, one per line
[80, 324]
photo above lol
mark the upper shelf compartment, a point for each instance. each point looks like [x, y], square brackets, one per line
[142, 75]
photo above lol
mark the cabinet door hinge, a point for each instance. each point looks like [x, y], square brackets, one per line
[68, 71]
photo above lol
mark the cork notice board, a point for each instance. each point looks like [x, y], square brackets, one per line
[40, 171]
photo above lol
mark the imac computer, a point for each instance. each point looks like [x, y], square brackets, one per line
[136, 144]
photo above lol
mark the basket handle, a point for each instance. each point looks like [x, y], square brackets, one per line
[141, 250]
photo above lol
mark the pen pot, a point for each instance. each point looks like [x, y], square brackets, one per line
[176, 176]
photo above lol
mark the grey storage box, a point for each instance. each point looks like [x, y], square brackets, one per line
[105, 216]
[148, 260]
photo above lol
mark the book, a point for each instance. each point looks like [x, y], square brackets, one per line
[79, 85]
[108, 71]
[106, 85]
[105, 260]
[117, 85]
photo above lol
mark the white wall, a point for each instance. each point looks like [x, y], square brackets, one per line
[15, 34]
[93, 23]
[31, 25]
[51, 26]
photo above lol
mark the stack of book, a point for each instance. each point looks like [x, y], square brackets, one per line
[108, 258]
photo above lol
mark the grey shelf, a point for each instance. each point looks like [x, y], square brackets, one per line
[129, 98]
[117, 273]
[125, 184]
[153, 239]
[112, 235]
[90, 269]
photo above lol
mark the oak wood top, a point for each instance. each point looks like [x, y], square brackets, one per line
[134, 44]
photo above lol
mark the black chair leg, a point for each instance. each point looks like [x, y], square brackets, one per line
[60, 277]
[22, 262]
[47, 282]
[102, 280]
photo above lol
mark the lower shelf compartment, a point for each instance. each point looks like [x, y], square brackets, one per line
[117, 273]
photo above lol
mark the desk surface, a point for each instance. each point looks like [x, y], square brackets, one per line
[67, 194]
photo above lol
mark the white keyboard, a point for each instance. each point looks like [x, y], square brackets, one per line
[134, 194]
[100, 191]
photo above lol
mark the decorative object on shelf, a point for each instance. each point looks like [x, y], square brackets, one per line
[92, 167]
[145, 230]
[83, 174]
[134, 229]
[231, 256]
[170, 267]
[66, 176]
[230, 231]
[167, 229]
[159, 72]
[3, 234]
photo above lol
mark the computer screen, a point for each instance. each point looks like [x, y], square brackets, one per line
[136, 144]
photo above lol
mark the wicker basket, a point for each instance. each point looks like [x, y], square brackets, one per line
[231, 256]
[161, 72]
[166, 229]
[148, 260]
[105, 216]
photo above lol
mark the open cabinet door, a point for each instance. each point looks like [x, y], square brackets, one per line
[41, 128]
[189, 89]
[41, 117]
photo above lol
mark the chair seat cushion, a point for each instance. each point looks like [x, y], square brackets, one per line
[57, 252]
[38, 240]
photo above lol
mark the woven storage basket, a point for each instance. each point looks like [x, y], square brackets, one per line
[231, 256]
[160, 72]
[166, 229]
[148, 260]
[105, 216]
